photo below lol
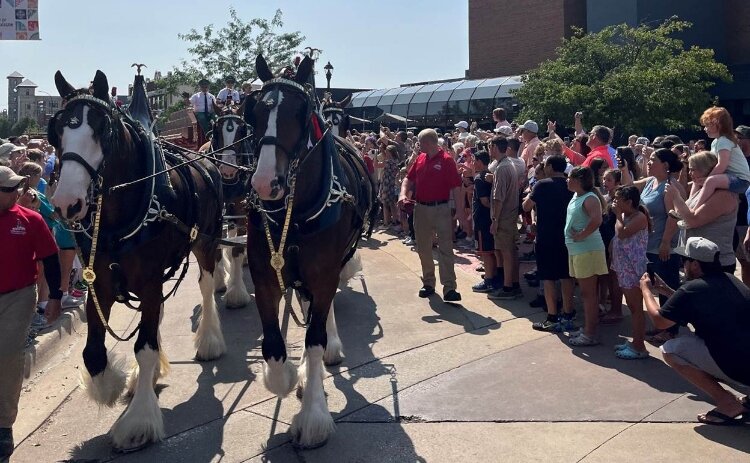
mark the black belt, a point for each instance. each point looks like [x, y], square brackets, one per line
[432, 203]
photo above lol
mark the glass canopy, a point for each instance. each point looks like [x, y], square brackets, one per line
[439, 104]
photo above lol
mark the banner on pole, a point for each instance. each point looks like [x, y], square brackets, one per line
[19, 19]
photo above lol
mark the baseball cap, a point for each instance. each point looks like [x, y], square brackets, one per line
[7, 148]
[642, 141]
[8, 178]
[462, 124]
[743, 130]
[531, 126]
[504, 130]
[700, 249]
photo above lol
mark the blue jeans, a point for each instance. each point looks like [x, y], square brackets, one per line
[669, 271]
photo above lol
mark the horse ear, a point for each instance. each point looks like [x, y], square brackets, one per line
[101, 87]
[304, 70]
[261, 68]
[345, 102]
[63, 87]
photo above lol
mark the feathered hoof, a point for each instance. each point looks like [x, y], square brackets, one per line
[310, 429]
[279, 378]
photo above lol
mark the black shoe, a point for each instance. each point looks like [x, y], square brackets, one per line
[533, 283]
[530, 275]
[426, 291]
[538, 303]
[452, 296]
[6, 443]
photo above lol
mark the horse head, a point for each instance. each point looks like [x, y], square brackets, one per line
[227, 142]
[281, 119]
[333, 113]
[84, 132]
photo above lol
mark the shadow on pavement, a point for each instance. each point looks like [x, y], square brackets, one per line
[735, 437]
[458, 314]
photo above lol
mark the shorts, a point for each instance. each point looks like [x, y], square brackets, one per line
[690, 350]
[507, 233]
[588, 264]
[551, 261]
[484, 240]
[63, 237]
[737, 185]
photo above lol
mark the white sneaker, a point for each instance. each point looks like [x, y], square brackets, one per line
[409, 241]
[68, 301]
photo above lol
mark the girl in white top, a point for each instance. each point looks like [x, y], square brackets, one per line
[732, 171]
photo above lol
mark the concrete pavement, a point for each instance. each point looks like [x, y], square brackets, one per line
[422, 381]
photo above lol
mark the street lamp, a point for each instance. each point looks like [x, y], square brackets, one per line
[328, 67]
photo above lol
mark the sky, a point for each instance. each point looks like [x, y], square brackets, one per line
[371, 44]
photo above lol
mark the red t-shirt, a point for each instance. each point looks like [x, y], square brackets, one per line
[600, 152]
[24, 239]
[434, 178]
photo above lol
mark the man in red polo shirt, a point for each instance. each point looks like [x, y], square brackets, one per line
[24, 239]
[599, 139]
[436, 184]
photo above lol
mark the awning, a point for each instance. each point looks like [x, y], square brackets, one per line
[388, 117]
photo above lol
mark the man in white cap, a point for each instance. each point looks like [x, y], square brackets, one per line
[24, 240]
[528, 132]
[717, 305]
[463, 130]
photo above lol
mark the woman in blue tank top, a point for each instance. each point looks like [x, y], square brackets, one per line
[586, 258]
[662, 240]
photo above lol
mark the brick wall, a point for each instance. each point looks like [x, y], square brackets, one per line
[509, 37]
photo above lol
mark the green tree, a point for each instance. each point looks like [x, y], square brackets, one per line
[23, 126]
[635, 79]
[5, 127]
[231, 50]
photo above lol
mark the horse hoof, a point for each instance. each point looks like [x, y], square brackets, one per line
[300, 446]
[222, 289]
[334, 361]
[132, 449]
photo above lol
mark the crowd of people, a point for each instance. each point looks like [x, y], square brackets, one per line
[660, 223]
[35, 160]
[634, 221]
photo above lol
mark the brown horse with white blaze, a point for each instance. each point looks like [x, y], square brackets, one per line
[315, 199]
[137, 238]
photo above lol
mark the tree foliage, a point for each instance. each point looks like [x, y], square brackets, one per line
[635, 79]
[231, 50]
[25, 125]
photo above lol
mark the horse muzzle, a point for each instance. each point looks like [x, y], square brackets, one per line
[268, 190]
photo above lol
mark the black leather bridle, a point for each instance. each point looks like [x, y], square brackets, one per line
[106, 139]
[274, 86]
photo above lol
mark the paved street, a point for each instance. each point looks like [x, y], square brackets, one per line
[422, 381]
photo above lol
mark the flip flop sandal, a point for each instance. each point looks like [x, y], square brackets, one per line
[723, 420]
[628, 353]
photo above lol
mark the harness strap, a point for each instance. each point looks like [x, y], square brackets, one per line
[71, 156]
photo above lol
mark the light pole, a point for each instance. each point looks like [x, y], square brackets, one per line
[328, 67]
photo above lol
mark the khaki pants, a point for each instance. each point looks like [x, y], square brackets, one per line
[429, 220]
[16, 313]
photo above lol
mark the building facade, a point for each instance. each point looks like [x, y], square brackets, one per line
[514, 36]
[24, 102]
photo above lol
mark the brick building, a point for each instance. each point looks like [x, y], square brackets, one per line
[513, 36]
[509, 37]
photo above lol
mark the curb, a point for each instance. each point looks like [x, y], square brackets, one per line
[49, 341]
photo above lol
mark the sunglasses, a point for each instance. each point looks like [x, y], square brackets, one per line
[10, 189]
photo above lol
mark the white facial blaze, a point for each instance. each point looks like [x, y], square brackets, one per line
[74, 178]
[266, 171]
[228, 155]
